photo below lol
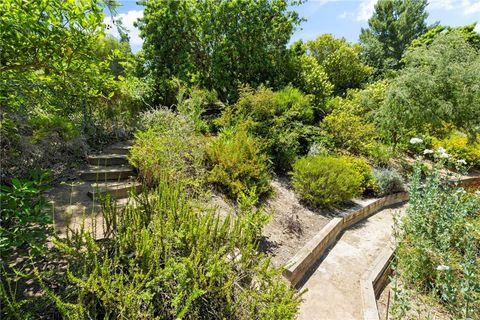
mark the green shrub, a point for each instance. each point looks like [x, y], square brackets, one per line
[457, 144]
[199, 105]
[238, 165]
[281, 120]
[325, 180]
[379, 153]
[24, 218]
[166, 257]
[439, 243]
[369, 183]
[168, 147]
[388, 181]
[348, 131]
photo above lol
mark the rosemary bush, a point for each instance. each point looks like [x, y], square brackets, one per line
[166, 257]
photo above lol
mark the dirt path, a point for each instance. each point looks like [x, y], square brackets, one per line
[334, 287]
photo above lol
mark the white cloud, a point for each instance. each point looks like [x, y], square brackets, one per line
[477, 27]
[467, 6]
[128, 19]
[471, 8]
[365, 9]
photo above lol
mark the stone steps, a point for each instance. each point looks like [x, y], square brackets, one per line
[116, 190]
[111, 173]
[112, 159]
[119, 149]
[107, 173]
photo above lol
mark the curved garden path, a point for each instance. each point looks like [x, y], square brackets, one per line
[334, 284]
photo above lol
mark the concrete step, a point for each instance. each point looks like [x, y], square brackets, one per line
[119, 149]
[116, 190]
[111, 159]
[102, 173]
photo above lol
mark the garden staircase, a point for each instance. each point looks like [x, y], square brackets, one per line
[111, 174]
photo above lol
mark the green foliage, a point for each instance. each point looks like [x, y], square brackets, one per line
[168, 257]
[326, 180]
[457, 144]
[168, 147]
[238, 165]
[340, 60]
[217, 44]
[49, 62]
[388, 181]
[368, 183]
[24, 218]
[468, 32]
[348, 131]
[439, 243]
[199, 105]
[391, 29]
[437, 89]
[312, 79]
[281, 120]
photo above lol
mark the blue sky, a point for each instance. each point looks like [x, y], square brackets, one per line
[343, 18]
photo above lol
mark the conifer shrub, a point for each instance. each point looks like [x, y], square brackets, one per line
[326, 180]
[168, 146]
[237, 164]
[166, 257]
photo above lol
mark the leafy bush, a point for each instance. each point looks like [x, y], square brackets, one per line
[238, 165]
[326, 180]
[281, 120]
[369, 183]
[388, 181]
[348, 131]
[199, 105]
[457, 144]
[312, 79]
[168, 145]
[24, 218]
[166, 257]
[379, 153]
[439, 243]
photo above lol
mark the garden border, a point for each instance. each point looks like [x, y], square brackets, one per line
[297, 266]
[374, 280]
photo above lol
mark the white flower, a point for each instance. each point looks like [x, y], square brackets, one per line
[427, 151]
[461, 190]
[443, 153]
[416, 140]
[443, 267]
[461, 161]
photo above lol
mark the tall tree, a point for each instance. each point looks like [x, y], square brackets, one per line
[436, 91]
[218, 44]
[391, 29]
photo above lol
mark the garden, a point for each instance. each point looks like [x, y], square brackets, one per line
[243, 144]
